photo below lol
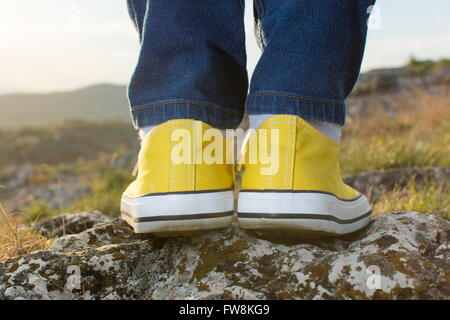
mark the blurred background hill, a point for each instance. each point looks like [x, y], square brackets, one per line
[100, 102]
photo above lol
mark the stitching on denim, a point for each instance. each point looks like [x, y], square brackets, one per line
[295, 97]
[185, 102]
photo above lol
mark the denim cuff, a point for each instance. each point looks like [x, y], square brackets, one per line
[157, 113]
[307, 108]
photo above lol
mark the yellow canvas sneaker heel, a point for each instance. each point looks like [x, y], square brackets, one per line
[305, 191]
[175, 188]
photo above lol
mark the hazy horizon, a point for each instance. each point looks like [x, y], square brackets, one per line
[64, 45]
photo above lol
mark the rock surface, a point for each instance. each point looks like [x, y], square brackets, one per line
[69, 223]
[380, 80]
[399, 256]
[22, 186]
[391, 88]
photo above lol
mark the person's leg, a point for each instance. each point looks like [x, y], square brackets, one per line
[192, 63]
[311, 60]
[312, 57]
[191, 77]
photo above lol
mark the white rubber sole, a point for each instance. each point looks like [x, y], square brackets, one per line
[177, 212]
[307, 211]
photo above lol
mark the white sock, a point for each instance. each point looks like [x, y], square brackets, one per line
[144, 131]
[331, 130]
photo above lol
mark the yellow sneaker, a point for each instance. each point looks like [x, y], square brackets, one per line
[307, 192]
[169, 196]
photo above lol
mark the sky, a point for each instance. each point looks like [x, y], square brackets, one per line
[56, 45]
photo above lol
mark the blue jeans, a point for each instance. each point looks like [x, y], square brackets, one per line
[192, 63]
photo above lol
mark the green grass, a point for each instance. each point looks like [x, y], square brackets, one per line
[419, 136]
[433, 198]
[396, 150]
[423, 66]
[38, 210]
[107, 189]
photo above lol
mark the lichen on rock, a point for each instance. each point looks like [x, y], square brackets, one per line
[399, 256]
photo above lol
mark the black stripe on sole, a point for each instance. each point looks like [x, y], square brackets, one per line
[301, 216]
[296, 191]
[181, 217]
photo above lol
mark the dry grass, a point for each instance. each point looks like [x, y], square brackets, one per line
[16, 240]
[434, 198]
[419, 135]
